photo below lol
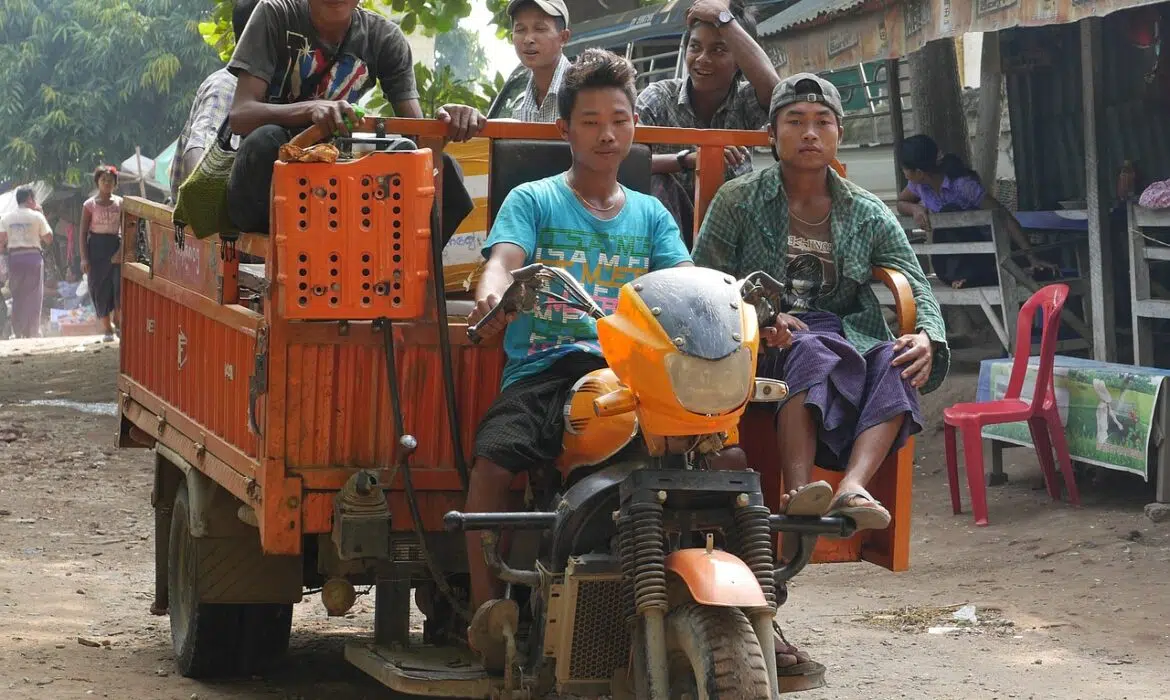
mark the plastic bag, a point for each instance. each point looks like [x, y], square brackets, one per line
[1156, 196]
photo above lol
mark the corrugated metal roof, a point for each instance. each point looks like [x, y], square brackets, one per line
[651, 22]
[634, 25]
[806, 11]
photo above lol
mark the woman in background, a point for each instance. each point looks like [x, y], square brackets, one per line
[942, 184]
[101, 238]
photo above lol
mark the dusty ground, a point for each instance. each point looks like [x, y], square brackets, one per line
[1073, 603]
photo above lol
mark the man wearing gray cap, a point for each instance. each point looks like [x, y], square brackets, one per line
[540, 30]
[853, 386]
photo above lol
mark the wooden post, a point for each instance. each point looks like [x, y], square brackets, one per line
[141, 175]
[937, 98]
[1099, 195]
[986, 155]
[897, 128]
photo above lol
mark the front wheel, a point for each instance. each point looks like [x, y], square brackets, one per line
[714, 655]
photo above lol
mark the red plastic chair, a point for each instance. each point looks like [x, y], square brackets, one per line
[1040, 413]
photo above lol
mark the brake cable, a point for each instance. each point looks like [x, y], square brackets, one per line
[404, 466]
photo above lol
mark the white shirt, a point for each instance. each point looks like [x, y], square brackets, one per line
[546, 112]
[24, 227]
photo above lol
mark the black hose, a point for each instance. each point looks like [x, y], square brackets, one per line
[445, 347]
[411, 498]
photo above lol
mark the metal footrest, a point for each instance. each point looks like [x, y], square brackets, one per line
[437, 672]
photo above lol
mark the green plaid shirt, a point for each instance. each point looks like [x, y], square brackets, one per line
[746, 229]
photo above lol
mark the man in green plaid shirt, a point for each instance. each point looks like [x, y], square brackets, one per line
[853, 386]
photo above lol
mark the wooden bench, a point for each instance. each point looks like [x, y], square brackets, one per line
[1000, 303]
[1145, 309]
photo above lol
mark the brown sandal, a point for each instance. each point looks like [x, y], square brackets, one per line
[870, 516]
[795, 669]
[809, 500]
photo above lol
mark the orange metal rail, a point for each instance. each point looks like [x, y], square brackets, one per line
[710, 144]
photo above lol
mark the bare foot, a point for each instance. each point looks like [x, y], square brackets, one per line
[958, 284]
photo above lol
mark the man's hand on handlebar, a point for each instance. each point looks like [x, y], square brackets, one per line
[495, 324]
[330, 116]
[779, 334]
[463, 122]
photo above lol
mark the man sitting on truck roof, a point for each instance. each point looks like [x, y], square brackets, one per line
[540, 30]
[213, 99]
[729, 84]
[583, 214]
[303, 62]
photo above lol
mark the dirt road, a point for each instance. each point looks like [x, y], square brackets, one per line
[1071, 603]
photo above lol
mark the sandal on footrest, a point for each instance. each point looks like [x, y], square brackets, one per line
[870, 516]
[809, 500]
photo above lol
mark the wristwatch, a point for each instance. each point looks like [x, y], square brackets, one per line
[682, 159]
[725, 18]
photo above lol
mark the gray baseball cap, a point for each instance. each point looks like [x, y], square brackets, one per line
[821, 91]
[553, 8]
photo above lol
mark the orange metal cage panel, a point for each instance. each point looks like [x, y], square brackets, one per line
[353, 238]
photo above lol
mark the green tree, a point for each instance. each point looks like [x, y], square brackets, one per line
[437, 88]
[85, 82]
[460, 50]
[431, 16]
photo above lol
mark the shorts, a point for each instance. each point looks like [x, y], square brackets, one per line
[524, 428]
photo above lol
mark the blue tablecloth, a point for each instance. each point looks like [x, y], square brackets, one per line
[1107, 409]
[1049, 220]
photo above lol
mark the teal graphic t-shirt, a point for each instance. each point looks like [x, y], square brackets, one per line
[546, 220]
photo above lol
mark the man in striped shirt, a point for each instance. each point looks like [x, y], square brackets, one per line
[213, 100]
[540, 30]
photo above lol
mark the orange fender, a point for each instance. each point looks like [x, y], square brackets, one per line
[716, 578]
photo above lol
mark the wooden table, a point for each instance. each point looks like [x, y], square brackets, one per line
[1015, 284]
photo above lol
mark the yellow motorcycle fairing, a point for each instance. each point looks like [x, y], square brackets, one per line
[683, 344]
[589, 438]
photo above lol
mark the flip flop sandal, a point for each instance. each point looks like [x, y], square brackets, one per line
[805, 674]
[810, 500]
[872, 516]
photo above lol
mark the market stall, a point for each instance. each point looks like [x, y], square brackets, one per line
[1078, 98]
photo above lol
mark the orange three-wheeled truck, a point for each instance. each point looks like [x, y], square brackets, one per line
[311, 414]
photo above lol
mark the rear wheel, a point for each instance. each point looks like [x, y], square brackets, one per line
[216, 639]
[714, 655]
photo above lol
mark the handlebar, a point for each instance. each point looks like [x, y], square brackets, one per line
[527, 283]
[519, 296]
[764, 292]
[456, 521]
[759, 289]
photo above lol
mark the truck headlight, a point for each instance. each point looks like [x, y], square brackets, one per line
[711, 387]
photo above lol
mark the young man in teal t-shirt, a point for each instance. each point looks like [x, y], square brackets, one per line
[608, 235]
